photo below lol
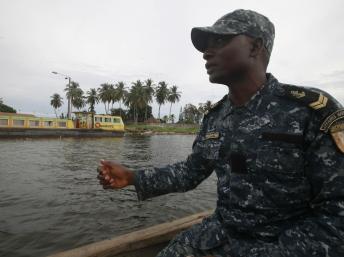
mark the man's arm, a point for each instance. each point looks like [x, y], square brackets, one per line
[179, 177]
[322, 232]
[325, 171]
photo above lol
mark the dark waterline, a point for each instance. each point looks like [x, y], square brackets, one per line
[50, 199]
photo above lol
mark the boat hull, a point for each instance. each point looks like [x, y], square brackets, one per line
[58, 133]
[143, 243]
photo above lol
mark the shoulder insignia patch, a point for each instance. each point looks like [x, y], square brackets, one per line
[297, 94]
[338, 138]
[313, 99]
[320, 103]
[327, 109]
[316, 100]
[212, 135]
[337, 127]
[331, 119]
[334, 123]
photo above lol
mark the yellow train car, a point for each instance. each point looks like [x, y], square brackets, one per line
[85, 124]
[30, 121]
[108, 122]
[98, 121]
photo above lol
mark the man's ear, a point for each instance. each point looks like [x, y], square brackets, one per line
[257, 47]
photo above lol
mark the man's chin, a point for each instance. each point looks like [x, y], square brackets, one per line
[216, 79]
[225, 79]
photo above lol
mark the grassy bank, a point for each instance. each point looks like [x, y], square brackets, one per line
[146, 129]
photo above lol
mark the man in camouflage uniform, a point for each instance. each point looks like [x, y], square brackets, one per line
[277, 150]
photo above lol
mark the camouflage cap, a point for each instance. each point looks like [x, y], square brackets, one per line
[240, 21]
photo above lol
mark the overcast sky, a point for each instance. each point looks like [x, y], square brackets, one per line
[108, 41]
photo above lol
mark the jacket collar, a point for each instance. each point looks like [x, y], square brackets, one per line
[257, 99]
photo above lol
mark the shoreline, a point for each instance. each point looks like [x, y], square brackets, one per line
[57, 133]
[154, 133]
[161, 129]
[130, 130]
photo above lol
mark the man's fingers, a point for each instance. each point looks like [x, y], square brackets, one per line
[102, 170]
[105, 162]
[100, 177]
[107, 187]
[107, 174]
[114, 185]
[103, 182]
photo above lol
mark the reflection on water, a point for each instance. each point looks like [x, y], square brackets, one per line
[51, 200]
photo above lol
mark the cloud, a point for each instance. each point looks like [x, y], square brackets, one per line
[337, 75]
[331, 82]
[108, 41]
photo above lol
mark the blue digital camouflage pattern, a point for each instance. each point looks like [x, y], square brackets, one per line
[280, 179]
[238, 22]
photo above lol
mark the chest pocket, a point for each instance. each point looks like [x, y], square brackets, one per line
[208, 148]
[281, 153]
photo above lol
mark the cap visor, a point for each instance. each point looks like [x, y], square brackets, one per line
[200, 36]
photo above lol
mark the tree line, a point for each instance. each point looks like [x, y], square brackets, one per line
[137, 98]
[192, 114]
[6, 108]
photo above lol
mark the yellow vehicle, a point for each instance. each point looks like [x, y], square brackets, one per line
[14, 120]
[100, 121]
[85, 124]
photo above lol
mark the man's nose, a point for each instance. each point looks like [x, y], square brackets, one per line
[207, 54]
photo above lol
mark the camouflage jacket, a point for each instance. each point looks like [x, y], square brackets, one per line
[275, 166]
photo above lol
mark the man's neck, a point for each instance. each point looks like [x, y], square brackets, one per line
[242, 91]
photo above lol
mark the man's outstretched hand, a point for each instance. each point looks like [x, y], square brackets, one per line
[114, 175]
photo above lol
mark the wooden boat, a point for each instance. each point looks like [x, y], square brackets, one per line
[142, 243]
[85, 124]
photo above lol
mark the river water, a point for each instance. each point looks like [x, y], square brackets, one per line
[50, 199]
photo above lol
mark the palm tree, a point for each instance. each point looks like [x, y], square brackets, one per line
[161, 94]
[92, 99]
[136, 98]
[205, 107]
[113, 96]
[172, 118]
[56, 102]
[120, 92]
[68, 89]
[173, 96]
[75, 94]
[78, 101]
[105, 95]
[149, 93]
[208, 105]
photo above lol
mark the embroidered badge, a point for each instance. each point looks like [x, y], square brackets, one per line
[338, 138]
[297, 94]
[337, 127]
[337, 115]
[320, 103]
[212, 135]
